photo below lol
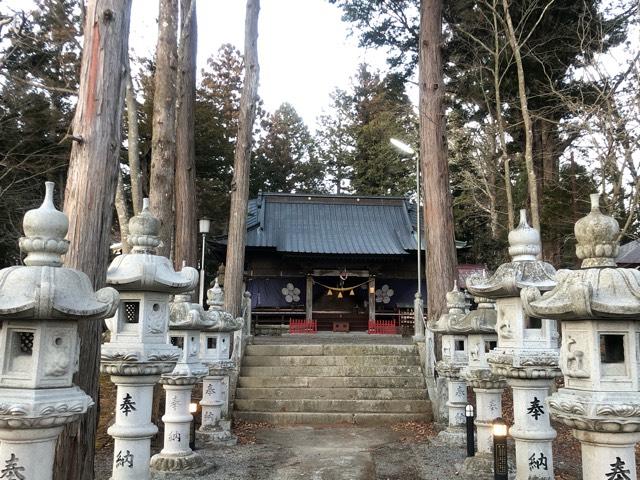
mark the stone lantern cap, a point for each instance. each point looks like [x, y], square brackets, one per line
[143, 270]
[451, 322]
[184, 315]
[483, 319]
[43, 289]
[599, 290]
[222, 320]
[525, 270]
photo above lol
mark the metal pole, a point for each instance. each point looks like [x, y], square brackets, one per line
[418, 224]
[202, 271]
[471, 444]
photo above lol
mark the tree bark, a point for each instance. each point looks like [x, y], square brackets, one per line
[163, 144]
[123, 214]
[438, 214]
[240, 182]
[186, 248]
[526, 118]
[133, 139]
[89, 196]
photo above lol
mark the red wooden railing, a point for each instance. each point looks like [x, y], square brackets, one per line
[303, 326]
[382, 327]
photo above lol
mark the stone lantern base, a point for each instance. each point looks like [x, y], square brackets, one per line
[608, 455]
[216, 422]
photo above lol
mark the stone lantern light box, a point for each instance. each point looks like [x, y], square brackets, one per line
[216, 341]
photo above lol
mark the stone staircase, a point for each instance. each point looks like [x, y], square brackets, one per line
[326, 383]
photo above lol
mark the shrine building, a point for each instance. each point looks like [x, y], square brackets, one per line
[340, 260]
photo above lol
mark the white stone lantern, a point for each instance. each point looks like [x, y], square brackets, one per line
[40, 305]
[139, 350]
[454, 359]
[186, 322]
[527, 354]
[216, 352]
[487, 386]
[599, 307]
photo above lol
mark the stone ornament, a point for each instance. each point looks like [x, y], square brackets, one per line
[40, 305]
[599, 307]
[139, 350]
[527, 355]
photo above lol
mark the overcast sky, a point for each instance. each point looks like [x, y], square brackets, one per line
[303, 47]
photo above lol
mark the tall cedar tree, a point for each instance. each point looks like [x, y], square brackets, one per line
[89, 196]
[240, 183]
[286, 157]
[163, 143]
[185, 181]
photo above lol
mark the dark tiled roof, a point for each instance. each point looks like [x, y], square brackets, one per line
[332, 224]
[629, 253]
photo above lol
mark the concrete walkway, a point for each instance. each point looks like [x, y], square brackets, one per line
[333, 453]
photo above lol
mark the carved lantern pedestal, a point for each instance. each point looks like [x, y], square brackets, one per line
[185, 323]
[454, 359]
[599, 307]
[486, 386]
[216, 352]
[40, 305]
[139, 351]
[527, 354]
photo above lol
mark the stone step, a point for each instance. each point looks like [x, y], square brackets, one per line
[328, 349]
[326, 360]
[332, 393]
[337, 406]
[331, 382]
[333, 371]
[327, 418]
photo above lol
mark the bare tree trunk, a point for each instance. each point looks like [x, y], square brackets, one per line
[240, 182]
[441, 257]
[89, 196]
[123, 213]
[163, 144]
[499, 119]
[133, 138]
[186, 248]
[526, 118]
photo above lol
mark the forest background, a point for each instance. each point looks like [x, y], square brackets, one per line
[581, 64]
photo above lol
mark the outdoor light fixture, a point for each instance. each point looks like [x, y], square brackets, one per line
[193, 409]
[205, 225]
[500, 470]
[372, 290]
[402, 146]
[471, 444]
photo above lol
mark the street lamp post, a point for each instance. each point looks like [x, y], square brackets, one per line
[205, 226]
[403, 147]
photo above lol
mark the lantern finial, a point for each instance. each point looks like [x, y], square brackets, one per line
[45, 228]
[597, 236]
[144, 229]
[524, 241]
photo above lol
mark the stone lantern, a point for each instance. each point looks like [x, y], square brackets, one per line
[185, 324]
[454, 359]
[40, 305]
[599, 307]
[215, 352]
[486, 386]
[139, 350]
[527, 354]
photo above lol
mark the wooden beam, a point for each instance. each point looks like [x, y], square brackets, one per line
[372, 298]
[337, 273]
[309, 299]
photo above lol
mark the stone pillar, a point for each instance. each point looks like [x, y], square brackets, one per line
[216, 423]
[486, 386]
[40, 305]
[454, 359]
[132, 430]
[599, 308]
[526, 355]
[418, 313]
[139, 352]
[216, 420]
